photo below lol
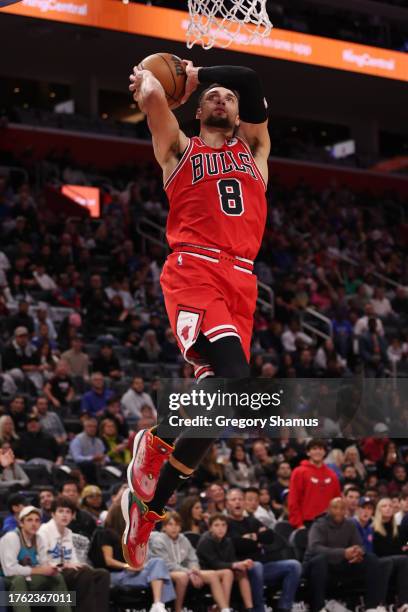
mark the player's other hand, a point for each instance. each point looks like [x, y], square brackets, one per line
[192, 80]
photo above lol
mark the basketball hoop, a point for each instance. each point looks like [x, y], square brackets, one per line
[221, 22]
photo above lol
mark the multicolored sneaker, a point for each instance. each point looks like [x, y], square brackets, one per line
[149, 454]
[140, 522]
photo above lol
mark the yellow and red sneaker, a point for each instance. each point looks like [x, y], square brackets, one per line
[140, 522]
[149, 454]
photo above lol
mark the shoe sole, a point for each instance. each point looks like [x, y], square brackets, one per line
[129, 472]
[124, 504]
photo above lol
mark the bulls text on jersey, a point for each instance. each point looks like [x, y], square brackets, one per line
[204, 165]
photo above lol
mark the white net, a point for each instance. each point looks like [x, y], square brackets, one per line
[221, 22]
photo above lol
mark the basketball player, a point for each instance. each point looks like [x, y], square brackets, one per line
[215, 183]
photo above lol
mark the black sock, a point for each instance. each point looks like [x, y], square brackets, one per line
[169, 480]
[167, 440]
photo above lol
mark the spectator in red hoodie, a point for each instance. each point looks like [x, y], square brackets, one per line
[312, 486]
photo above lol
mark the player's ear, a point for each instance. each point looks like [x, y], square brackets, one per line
[198, 112]
[237, 121]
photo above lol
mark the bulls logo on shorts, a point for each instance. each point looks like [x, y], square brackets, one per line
[188, 325]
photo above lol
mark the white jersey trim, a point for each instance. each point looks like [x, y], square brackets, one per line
[181, 163]
[246, 146]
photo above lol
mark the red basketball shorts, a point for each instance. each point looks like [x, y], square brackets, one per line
[210, 293]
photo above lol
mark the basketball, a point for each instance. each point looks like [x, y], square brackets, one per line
[169, 70]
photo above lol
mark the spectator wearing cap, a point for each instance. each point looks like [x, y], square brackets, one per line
[95, 400]
[38, 446]
[92, 501]
[15, 504]
[134, 398]
[363, 520]
[107, 363]
[77, 360]
[20, 562]
[21, 359]
[87, 450]
[312, 486]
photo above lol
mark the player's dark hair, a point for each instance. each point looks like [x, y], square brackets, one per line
[217, 517]
[63, 502]
[207, 89]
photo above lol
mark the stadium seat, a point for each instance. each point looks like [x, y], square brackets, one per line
[298, 540]
[192, 537]
[106, 476]
[284, 529]
[38, 475]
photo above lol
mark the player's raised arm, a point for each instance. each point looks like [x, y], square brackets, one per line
[168, 140]
[252, 104]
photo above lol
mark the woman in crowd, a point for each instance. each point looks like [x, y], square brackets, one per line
[108, 555]
[209, 470]
[182, 563]
[191, 513]
[149, 348]
[240, 472]
[8, 433]
[390, 543]
[335, 460]
[352, 457]
[92, 501]
[116, 448]
[389, 459]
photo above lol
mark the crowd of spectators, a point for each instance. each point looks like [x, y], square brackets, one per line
[85, 342]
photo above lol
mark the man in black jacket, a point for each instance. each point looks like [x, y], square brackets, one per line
[35, 444]
[246, 533]
[216, 552]
[335, 549]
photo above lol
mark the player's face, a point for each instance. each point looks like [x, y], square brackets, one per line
[219, 108]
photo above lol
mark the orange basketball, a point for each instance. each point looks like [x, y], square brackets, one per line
[170, 71]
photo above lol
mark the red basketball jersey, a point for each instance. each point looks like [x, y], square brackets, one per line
[217, 199]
